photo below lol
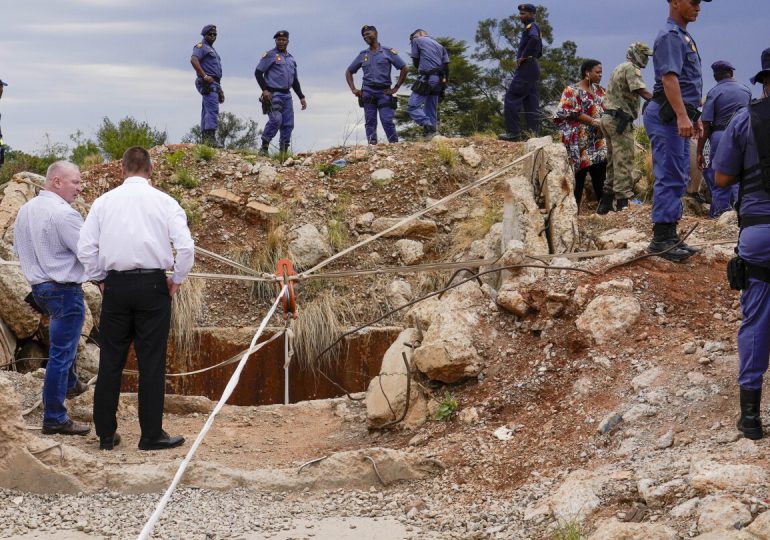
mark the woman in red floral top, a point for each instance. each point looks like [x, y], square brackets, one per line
[577, 117]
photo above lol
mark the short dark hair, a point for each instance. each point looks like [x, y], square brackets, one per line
[587, 66]
[136, 160]
[724, 74]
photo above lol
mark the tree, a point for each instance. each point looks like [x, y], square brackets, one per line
[232, 132]
[497, 43]
[84, 148]
[115, 140]
[465, 109]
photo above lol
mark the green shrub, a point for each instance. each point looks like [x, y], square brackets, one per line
[84, 148]
[446, 155]
[183, 177]
[329, 169]
[17, 161]
[193, 212]
[447, 408]
[204, 153]
[339, 238]
[114, 140]
[175, 158]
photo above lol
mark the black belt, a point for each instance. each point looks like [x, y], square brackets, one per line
[66, 284]
[284, 90]
[718, 127]
[437, 71]
[136, 271]
[376, 86]
[216, 79]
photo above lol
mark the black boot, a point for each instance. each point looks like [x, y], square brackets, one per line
[691, 250]
[428, 132]
[509, 137]
[620, 204]
[664, 237]
[750, 424]
[209, 137]
[283, 151]
[605, 203]
[264, 150]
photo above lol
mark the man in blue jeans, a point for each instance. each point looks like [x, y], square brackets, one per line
[46, 237]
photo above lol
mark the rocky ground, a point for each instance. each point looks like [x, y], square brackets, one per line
[598, 405]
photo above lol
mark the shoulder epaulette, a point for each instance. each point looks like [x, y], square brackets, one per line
[199, 45]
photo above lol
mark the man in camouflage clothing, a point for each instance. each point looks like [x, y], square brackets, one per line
[621, 107]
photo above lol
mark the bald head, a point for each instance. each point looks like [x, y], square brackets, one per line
[63, 178]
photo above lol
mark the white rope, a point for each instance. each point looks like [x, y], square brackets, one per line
[232, 383]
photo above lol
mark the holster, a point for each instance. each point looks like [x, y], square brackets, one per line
[366, 100]
[667, 114]
[267, 105]
[421, 87]
[206, 88]
[737, 274]
[30, 299]
[622, 120]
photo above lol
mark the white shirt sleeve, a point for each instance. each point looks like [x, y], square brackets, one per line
[181, 239]
[88, 245]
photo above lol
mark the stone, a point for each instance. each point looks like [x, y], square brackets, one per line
[665, 441]
[447, 353]
[469, 415]
[386, 396]
[707, 475]
[364, 221]
[87, 360]
[415, 227]
[359, 153]
[685, 509]
[510, 299]
[398, 293]
[609, 422]
[262, 211]
[619, 238]
[608, 317]
[729, 218]
[722, 512]
[14, 311]
[470, 156]
[577, 497]
[656, 495]
[224, 196]
[267, 176]
[522, 220]
[645, 379]
[424, 313]
[15, 194]
[761, 526]
[307, 246]
[410, 251]
[614, 530]
[7, 344]
[625, 284]
[382, 176]
[93, 298]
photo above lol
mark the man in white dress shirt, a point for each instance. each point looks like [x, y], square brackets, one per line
[46, 237]
[127, 241]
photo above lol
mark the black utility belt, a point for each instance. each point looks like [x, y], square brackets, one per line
[740, 271]
[376, 86]
[667, 114]
[216, 79]
[436, 71]
[65, 284]
[135, 271]
[279, 90]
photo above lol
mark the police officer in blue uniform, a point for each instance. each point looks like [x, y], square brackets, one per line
[722, 102]
[2, 144]
[376, 93]
[744, 156]
[208, 66]
[522, 92]
[432, 62]
[671, 119]
[276, 75]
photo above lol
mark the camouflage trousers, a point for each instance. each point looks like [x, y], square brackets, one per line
[620, 159]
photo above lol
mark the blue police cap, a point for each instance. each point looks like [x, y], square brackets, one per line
[281, 33]
[722, 65]
[366, 27]
[208, 28]
[765, 68]
[528, 7]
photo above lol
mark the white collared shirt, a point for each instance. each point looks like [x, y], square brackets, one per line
[46, 238]
[135, 226]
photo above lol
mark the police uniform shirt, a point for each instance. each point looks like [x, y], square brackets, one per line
[530, 44]
[376, 65]
[431, 53]
[209, 59]
[621, 94]
[675, 52]
[724, 100]
[280, 68]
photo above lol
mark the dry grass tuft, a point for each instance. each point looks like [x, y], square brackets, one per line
[185, 310]
[476, 227]
[264, 260]
[319, 324]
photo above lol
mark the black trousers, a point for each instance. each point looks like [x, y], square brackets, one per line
[135, 308]
[598, 172]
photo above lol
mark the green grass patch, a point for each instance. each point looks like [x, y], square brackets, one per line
[339, 237]
[175, 159]
[204, 153]
[447, 407]
[446, 155]
[329, 169]
[186, 179]
[569, 530]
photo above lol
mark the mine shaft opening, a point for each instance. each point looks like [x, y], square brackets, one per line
[262, 381]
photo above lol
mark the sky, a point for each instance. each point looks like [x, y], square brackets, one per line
[71, 63]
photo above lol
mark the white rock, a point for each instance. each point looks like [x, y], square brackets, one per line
[625, 284]
[267, 175]
[614, 530]
[469, 415]
[510, 299]
[619, 238]
[410, 251]
[382, 175]
[503, 433]
[606, 317]
[645, 379]
[398, 293]
[707, 475]
[577, 497]
[470, 156]
[308, 247]
[722, 512]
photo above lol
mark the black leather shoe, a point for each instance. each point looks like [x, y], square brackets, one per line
[67, 428]
[508, 137]
[79, 388]
[160, 443]
[108, 442]
[606, 203]
[621, 204]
